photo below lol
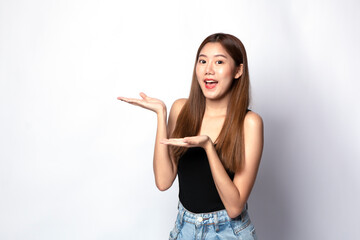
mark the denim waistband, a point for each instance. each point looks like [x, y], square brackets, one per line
[211, 218]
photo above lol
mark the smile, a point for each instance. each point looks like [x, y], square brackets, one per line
[210, 83]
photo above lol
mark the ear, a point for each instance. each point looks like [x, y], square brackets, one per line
[239, 71]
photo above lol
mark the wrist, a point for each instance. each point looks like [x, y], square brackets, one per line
[161, 112]
[208, 144]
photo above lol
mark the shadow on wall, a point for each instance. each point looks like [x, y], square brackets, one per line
[269, 204]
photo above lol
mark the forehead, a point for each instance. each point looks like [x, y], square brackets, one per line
[213, 49]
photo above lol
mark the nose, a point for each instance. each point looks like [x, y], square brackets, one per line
[209, 69]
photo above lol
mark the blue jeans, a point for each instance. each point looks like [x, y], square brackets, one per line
[214, 225]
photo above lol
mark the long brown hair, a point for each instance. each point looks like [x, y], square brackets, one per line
[230, 142]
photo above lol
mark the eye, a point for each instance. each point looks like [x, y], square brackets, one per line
[202, 61]
[219, 62]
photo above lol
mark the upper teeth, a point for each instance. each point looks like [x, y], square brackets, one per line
[210, 81]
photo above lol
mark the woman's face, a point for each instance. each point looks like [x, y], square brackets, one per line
[215, 71]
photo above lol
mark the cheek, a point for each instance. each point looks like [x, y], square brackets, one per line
[228, 76]
[198, 72]
[226, 73]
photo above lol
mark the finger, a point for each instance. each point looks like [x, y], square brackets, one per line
[129, 100]
[172, 141]
[187, 140]
[179, 140]
[191, 142]
[134, 101]
[178, 144]
[122, 98]
[143, 95]
[191, 139]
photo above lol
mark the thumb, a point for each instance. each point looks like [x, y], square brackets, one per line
[143, 95]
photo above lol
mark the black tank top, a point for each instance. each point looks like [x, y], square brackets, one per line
[197, 190]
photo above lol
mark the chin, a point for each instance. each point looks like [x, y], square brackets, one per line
[212, 97]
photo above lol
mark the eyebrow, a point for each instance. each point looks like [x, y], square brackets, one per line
[217, 55]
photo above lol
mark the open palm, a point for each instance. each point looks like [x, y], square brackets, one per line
[146, 102]
[195, 141]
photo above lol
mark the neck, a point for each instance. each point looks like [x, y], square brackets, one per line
[217, 107]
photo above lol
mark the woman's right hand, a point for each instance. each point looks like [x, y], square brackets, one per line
[146, 102]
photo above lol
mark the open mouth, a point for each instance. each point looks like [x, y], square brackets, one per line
[209, 84]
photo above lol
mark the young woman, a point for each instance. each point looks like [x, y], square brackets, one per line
[212, 142]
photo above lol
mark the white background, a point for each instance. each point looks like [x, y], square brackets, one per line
[75, 163]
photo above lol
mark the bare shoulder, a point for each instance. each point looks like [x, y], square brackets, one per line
[253, 138]
[174, 113]
[253, 120]
[179, 103]
[177, 106]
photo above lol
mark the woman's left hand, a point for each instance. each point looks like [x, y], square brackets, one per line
[195, 141]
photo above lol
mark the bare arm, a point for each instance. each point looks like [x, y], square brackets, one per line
[234, 194]
[165, 169]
